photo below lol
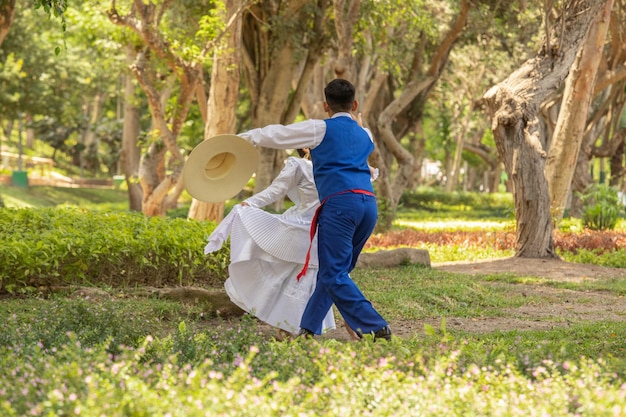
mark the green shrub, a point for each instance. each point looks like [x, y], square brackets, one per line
[601, 207]
[51, 247]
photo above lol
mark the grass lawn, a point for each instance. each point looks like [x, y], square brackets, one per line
[86, 198]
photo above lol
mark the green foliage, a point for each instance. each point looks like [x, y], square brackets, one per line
[54, 8]
[601, 207]
[46, 82]
[530, 349]
[615, 259]
[43, 247]
[414, 23]
[93, 319]
[10, 76]
[117, 356]
[213, 23]
[303, 378]
[385, 215]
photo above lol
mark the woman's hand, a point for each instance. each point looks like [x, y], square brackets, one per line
[373, 173]
[358, 118]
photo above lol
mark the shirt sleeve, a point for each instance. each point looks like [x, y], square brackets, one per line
[287, 179]
[306, 134]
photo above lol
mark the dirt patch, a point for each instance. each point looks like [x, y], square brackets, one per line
[554, 269]
[568, 307]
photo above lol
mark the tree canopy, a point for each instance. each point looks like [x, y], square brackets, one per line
[435, 80]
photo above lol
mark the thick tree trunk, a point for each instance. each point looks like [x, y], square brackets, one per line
[346, 14]
[222, 101]
[513, 106]
[572, 120]
[524, 161]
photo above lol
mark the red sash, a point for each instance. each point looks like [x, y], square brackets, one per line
[314, 227]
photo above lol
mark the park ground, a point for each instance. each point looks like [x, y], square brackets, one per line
[564, 307]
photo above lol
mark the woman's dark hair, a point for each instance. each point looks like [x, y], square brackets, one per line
[339, 94]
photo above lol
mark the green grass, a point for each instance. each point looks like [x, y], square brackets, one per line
[85, 198]
[454, 224]
[414, 292]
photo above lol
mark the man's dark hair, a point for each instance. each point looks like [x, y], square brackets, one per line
[339, 95]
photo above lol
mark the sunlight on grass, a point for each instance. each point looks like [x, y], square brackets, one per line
[462, 225]
[10, 201]
[455, 253]
[101, 199]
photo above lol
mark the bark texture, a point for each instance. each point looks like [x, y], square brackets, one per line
[513, 106]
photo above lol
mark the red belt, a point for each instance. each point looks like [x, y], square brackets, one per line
[314, 227]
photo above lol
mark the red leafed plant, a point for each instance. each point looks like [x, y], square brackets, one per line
[602, 241]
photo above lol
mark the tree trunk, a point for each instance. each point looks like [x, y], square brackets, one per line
[30, 132]
[7, 14]
[222, 102]
[346, 14]
[93, 111]
[161, 187]
[414, 94]
[617, 164]
[581, 181]
[572, 120]
[275, 61]
[469, 88]
[513, 106]
[131, 154]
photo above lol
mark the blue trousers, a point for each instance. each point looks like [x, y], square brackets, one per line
[345, 223]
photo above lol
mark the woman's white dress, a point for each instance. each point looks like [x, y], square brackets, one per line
[267, 251]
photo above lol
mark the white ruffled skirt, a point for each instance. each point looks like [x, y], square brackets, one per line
[267, 252]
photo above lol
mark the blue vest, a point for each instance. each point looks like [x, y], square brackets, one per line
[340, 160]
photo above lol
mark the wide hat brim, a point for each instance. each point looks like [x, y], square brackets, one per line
[219, 167]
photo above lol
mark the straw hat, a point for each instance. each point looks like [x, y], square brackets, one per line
[219, 167]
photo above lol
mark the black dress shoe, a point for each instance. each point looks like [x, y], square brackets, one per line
[306, 333]
[384, 333]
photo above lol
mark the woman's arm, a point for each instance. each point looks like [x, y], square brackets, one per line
[278, 189]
